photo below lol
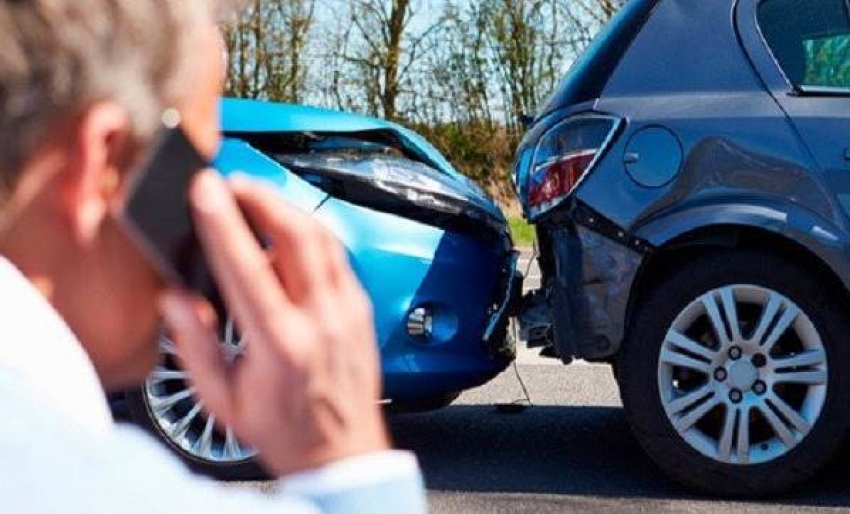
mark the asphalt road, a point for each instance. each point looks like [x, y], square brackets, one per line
[571, 450]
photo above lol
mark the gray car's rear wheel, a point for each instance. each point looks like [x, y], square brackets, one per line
[167, 406]
[734, 373]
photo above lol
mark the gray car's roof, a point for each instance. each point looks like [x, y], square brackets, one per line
[706, 57]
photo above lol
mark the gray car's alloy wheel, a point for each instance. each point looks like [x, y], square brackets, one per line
[166, 404]
[742, 374]
[733, 373]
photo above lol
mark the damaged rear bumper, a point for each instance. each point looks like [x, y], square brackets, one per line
[589, 266]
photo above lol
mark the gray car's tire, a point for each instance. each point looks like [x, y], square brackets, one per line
[668, 386]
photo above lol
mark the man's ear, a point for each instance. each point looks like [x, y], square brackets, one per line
[94, 171]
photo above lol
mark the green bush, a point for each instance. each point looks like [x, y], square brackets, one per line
[522, 232]
[480, 151]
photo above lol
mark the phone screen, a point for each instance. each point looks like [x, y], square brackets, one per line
[158, 215]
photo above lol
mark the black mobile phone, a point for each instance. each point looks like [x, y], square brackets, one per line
[157, 212]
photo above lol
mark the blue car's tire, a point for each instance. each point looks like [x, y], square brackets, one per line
[167, 407]
[430, 403]
[746, 411]
[140, 414]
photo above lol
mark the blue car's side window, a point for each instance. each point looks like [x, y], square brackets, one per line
[810, 40]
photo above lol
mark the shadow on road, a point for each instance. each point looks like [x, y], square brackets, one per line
[570, 450]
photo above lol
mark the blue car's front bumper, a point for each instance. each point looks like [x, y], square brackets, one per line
[462, 279]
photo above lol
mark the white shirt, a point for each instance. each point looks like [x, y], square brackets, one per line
[60, 451]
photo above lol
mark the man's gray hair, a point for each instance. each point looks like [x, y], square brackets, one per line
[58, 57]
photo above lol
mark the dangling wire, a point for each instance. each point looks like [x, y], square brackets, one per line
[519, 404]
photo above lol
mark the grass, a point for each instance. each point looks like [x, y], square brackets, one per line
[522, 232]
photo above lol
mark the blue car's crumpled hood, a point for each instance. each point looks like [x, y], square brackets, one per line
[252, 116]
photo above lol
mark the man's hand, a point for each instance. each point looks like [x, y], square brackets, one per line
[305, 392]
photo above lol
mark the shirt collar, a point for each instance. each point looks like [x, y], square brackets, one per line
[39, 351]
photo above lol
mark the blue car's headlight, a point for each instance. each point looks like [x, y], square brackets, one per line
[563, 157]
[405, 179]
[395, 184]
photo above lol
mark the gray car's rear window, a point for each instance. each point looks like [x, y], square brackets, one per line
[810, 39]
[590, 73]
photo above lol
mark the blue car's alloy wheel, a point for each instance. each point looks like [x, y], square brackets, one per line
[179, 414]
[168, 407]
[734, 376]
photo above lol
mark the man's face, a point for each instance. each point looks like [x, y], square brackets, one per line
[115, 311]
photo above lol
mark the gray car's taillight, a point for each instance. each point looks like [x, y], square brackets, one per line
[563, 157]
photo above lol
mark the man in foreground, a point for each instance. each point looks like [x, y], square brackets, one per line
[83, 85]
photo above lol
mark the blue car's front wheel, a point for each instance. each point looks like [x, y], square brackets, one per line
[167, 407]
[425, 404]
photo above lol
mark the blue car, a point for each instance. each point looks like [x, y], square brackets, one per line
[431, 249]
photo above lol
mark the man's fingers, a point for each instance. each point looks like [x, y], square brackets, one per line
[240, 266]
[306, 256]
[198, 349]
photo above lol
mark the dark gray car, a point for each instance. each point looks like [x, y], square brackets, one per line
[690, 185]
